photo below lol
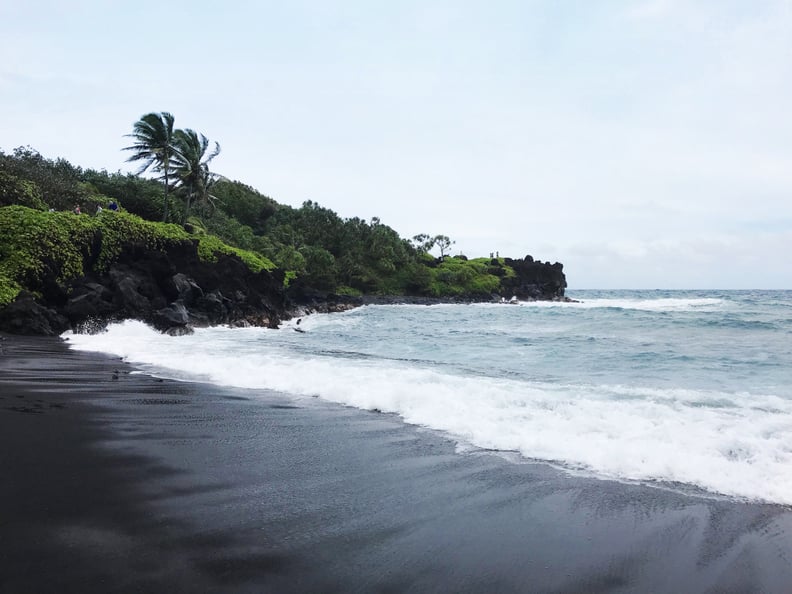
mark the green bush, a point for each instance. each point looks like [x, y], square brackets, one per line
[229, 230]
[210, 246]
[456, 276]
[34, 240]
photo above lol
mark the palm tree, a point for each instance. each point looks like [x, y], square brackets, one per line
[154, 145]
[191, 166]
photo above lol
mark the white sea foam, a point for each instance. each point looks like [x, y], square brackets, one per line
[736, 444]
[657, 304]
[662, 304]
[338, 321]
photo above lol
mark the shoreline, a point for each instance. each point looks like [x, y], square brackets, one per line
[121, 481]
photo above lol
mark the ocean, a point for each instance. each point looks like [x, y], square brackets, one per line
[682, 390]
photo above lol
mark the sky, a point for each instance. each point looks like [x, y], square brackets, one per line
[642, 143]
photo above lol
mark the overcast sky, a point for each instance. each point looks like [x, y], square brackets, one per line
[644, 144]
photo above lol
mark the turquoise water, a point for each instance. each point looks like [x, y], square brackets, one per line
[728, 341]
[677, 388]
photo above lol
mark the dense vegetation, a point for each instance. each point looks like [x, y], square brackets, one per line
[38, 239]
[317, 249]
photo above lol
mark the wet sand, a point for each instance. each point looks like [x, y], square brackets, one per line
[119, 482]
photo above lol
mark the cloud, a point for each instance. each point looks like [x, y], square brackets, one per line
[650, 10]
[756, 261]
[645, 134]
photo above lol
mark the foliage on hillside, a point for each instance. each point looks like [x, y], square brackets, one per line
[311, 243]
[35, 240]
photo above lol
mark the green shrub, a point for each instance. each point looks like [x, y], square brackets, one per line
[288, 277]
[456, 276]
[210, 246]
[34, 240]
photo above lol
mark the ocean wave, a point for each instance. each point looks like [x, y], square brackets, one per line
[736, 444]
[741, 323]
[670, 304]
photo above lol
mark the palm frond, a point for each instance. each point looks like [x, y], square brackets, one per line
[153, 144]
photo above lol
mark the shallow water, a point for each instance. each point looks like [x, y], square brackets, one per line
[689, 389]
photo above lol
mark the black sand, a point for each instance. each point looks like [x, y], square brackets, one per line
[117, 482]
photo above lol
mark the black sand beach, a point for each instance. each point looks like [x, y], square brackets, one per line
[119, 482]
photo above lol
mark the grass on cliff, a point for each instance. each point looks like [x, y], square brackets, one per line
[35, 241]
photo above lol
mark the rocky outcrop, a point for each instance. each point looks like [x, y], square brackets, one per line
[26, 316]
[534, 280]
[526, 279]
[305, 300]
[172, 290]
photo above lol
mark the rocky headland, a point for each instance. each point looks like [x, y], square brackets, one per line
[175, 290]
[80, 248]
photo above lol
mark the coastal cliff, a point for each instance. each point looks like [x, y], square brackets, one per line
[174, 291]
[62, 271]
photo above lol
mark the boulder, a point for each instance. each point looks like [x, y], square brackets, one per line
[179, 330]
[213, 306]
[185, 288]
[25, 316]
[129, 298]
[175, 314]
[89, 300]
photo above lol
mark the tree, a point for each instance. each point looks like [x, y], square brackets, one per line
[137, 195]
[191, 166]
[246, 204]
[154, 145]
[320, 268]
[14, 190]
[58, 181]
[423, 243]
[444, 243]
